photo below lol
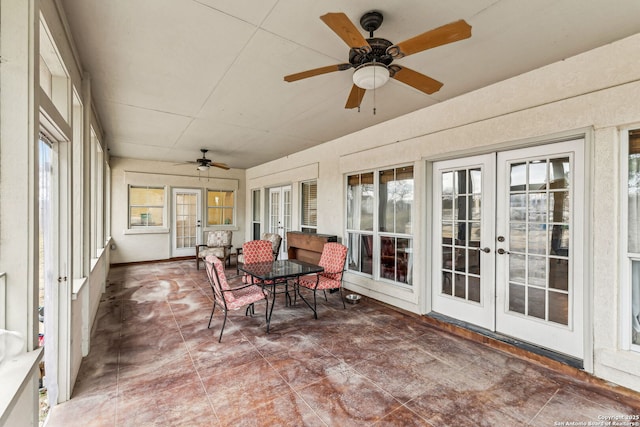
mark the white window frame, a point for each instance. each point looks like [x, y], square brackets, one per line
[626, 258]
[376, 233]
[256, 213]
[309, 227]
[141, 229]
[233, 208]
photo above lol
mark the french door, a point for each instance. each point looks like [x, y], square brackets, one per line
[187, 221]
[279, 215]
[508, 243]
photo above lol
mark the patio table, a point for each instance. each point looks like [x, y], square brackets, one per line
[275, 275]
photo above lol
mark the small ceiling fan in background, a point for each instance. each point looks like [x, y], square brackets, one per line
[204, 164]
[373, 58]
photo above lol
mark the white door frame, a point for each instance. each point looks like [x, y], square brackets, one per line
[280, 222]
[197, 226]
[570, 339]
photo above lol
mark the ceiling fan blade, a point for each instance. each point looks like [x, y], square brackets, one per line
[220, 165]
[355, 97]
[316, 72]
[448, 33]
[346, 30]
[417, 80]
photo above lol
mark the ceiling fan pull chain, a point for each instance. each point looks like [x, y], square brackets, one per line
[374, 88]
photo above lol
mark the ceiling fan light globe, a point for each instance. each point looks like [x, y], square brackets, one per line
[371, 76]
[203, 168]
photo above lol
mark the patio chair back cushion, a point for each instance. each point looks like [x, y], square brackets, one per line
[332, 259]
[276, 241]
[219, 238]
[215, 271]
[256, 251]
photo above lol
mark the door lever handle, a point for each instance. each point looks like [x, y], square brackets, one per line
[485, 250]
[503, 252]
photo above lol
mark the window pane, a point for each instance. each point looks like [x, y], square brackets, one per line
[309, 204]
[360, 202]
[146, 206]
[220, 207]
[256, 205]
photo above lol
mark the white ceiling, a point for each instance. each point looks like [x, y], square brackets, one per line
[172, 76]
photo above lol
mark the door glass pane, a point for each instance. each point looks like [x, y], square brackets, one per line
[460, 259]
[537, 175]
[460, 288]
[516, 268]
[516, 298]
[559, 308]
[537, 208]
[537, 238]
[537, 272]
[559, 274]
[559, 206]
[474, 234]
[536, 303]
[518, 177]
[517, 207]
[559, 240]
[517, 237]
[447, 288]
[559, 173]
[474, 289]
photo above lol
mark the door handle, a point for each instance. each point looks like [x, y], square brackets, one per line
[485, 250]
[503, 252]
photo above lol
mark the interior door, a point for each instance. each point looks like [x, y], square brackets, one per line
[187, 221]
[508, 243]
[540, 241]
[463, 275]
[280, 215]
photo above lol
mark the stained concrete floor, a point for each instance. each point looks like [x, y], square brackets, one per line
[153, 362]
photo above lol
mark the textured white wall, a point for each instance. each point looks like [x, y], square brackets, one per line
[146, 247]
[592, 94]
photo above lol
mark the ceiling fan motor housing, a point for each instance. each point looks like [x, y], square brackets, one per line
[378, 53]
[371, 21]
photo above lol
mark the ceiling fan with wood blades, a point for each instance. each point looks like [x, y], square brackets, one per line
[204, 163]
[372, 58]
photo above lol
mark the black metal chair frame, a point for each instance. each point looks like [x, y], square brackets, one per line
[218, 295]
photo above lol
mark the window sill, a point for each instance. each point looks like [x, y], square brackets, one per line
[78, 284]
[621, 360]
[15, 375]
[158, 230]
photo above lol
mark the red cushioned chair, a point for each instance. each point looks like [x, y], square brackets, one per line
[332, 259]
[231, 298]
